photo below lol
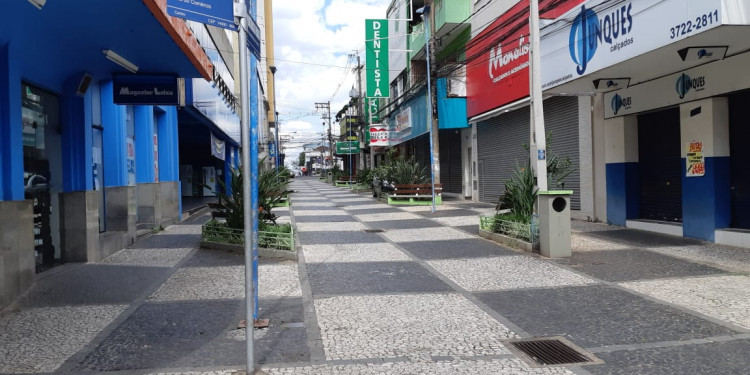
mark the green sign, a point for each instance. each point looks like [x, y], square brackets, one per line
[376, 63]
[372, 106]
[347, 148]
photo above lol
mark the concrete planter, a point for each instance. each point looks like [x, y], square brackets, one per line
[240, 249]
[506, 240]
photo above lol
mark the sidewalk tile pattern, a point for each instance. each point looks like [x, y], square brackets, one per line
[508, 272]
[726, 298]
[41, 339]
[349, 253]
[406, 326]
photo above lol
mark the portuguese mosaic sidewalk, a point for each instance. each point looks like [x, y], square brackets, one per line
[380, 289]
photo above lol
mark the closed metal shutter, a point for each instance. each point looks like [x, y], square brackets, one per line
[451, 168]
[739, 133]
[499, 148]
[500, 140]
[660, 165]
[561, 122]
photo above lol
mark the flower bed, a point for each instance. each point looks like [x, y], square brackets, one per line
[280, 237]
[517, 234]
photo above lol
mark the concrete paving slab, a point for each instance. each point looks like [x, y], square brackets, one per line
[411, 326]
[330, 227]
[455, 367]
[324, 219]
[726, 298]
[455, 221]
[454, 212]
[403, 224]
[506, 272]
[352, 253]
[340, 237]
[372, 278]
[723, 358]
[388, 216]
[641, 238]
[456, 249]
[422, 234]
[148, 257]
[41, 339]
[308, 211]
[276, 279]
[634, 264]
[161, 333]
[595, 316]
[94, 284]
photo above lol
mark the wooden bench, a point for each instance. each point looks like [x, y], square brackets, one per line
[415, 194]
[346, 181]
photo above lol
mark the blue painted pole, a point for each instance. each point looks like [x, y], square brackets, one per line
[426, 18]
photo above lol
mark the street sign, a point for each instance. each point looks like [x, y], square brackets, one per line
[347, 148]
[253, 37]
[219, 13]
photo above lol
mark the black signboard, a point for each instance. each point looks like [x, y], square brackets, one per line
[145, 90]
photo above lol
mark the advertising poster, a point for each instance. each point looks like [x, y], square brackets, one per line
[696, 164]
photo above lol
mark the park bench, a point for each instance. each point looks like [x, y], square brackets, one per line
[415, 194]
[346, 181]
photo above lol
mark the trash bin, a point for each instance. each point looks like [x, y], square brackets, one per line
[554, 223]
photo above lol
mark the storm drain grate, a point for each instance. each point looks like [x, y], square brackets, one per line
[374, 231]
[553, 351]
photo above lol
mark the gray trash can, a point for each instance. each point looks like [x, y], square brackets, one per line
[554, 223]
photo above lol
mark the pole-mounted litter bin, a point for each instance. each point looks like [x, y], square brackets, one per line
[554, 223]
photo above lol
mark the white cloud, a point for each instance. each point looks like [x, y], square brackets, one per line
[312, 44]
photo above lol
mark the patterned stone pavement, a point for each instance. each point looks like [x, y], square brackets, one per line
[380, 289]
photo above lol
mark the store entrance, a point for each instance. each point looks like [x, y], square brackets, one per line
[739, 133]
[660, 165]
[40, 115]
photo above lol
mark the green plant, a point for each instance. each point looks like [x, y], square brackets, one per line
[336, 172]
[557, 168]
[520, 194]
[364, 176]
[231, 207]
[407, 171]
[272, 188]
[272, 185]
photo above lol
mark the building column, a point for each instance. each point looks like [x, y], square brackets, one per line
[706, 203]
[11, 144]
[623, 181]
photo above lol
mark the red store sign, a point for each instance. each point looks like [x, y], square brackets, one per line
[497, 72]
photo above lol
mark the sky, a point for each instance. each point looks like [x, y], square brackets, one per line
[312, 43]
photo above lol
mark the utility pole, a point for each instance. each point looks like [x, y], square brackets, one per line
[360, 112]
[433, 131]
[275, 117]
[327, 116]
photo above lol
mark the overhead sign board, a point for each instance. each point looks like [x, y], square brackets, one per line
[603, 33]
[347, 148]
[701, 82]
[376, 58]
[500, 74]
[145, 90]
[219, 13]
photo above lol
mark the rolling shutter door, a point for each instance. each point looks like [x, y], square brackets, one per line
[499, 147]
[451, 168]
[561, 121]
[500, 140]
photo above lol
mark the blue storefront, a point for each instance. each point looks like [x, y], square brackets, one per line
[82, 171]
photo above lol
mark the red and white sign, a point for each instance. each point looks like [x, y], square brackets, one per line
[498, 70]
[380, 136]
